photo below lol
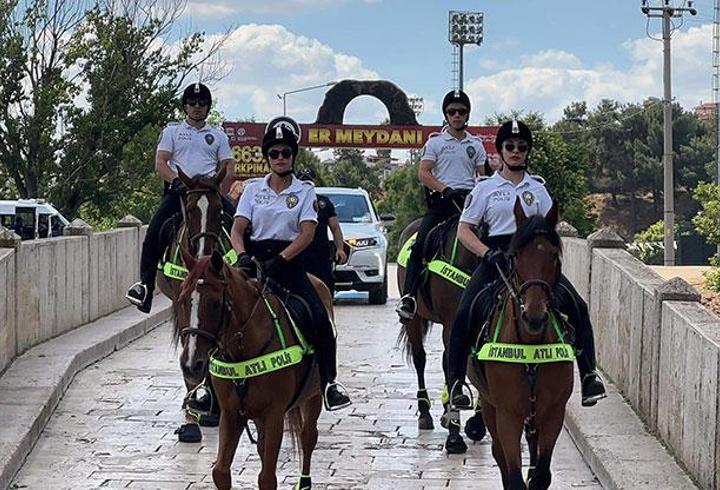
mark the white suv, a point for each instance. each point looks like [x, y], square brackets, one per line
[366, 242]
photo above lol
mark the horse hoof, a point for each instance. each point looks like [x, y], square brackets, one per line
[425, 422]
[454, 444]
[222, 480]
[475, 428]
[444, 420]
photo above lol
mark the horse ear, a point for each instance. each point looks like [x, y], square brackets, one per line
[221, 175]
[552, 215]
[184, 178]
[519, 212]
[216, 261]
[188, 259]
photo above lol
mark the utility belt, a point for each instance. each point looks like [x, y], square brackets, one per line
[501, 242]
[437, 202]
[266, 249]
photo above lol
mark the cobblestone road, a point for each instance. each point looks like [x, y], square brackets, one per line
[114, 427]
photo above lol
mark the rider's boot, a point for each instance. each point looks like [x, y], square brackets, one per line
[336, 397]
[141, 296]
[407, 306]
[454, 444]
[592, 387]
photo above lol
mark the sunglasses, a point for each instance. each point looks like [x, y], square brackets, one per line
[197, 103]
[452, 112]
[510, 147]
[274, 154]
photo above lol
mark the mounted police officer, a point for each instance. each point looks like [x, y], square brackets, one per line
[448, 167]
[491, 202]
[282, 211]
[318, 257]
[197, 149]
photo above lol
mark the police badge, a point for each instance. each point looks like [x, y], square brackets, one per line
[291, 201]
[528, 197]
[470, 151]
[209, 139]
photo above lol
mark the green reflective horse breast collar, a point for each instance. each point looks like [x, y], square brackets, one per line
[175, 270]
[266, 363]
[526, 353]
[446, 270]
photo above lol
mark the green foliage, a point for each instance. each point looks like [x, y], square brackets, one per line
[647, 245]
[712, 276]
[306, 159]
[707, 223]
[350, 170]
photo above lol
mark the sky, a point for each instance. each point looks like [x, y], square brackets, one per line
[536, 56]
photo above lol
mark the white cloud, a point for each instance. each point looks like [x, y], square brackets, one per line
[265, 60]
[220, 8]
[548, 81]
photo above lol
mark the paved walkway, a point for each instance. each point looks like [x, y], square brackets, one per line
[114, 426]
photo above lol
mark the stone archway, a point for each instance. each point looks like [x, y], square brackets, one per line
[340, 95]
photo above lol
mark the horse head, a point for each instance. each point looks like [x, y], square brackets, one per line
[201, 312]
[203, 212]
[536, 252]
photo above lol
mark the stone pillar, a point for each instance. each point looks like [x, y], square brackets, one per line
[129, 221]
[78, 228]
[9, 239]
[603, 238]
[565, 229]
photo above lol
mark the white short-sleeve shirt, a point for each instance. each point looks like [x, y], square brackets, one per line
[492, 201]
[277, 216]
[195, 151]
[454, 161]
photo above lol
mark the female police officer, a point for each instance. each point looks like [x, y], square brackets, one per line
[492, 201]
[281, 212]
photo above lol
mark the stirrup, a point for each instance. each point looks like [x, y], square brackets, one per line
[341, 390]
[137, 301]
[402, 313]
[462, 385]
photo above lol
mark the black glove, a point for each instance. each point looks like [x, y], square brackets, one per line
[274, 266]
[244, 261]
[497, 258]
[178, 187]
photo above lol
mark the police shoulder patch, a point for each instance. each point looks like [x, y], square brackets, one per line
[468, 200]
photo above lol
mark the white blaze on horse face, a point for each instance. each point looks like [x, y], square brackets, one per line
[194, 323]
[203, 205]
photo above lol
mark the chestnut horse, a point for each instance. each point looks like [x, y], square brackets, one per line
[232, 319]
[437, 301]
[525, 375]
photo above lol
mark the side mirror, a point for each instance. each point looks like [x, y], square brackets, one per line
[387, 219]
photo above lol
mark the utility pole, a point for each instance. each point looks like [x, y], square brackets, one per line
[716, 89]
[667, 12]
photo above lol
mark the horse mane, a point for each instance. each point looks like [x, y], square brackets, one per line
[204, 182]
[531, 228]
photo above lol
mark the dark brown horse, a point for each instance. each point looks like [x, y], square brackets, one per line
[437, 302]
[225, 313]
[519, 395]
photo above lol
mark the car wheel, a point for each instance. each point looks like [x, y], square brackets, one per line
[378, 296]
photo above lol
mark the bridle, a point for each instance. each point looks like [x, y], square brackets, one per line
[203, 234]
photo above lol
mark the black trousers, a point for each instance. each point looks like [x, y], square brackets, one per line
[155, 242]
[565, 298]
[320, 265]
[439, 209]
[293, 277]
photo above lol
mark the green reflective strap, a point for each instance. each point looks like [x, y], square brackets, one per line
[404, 254]
[499, 323]
[526, 354]
[449, 272]
[257, 366]
[444, 395]
[453, 255]
[174, 271]
[276, 322]
[557, 327]
[230, 257]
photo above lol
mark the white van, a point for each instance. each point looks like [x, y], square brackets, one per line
[32, 218]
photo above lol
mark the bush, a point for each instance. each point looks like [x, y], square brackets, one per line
[707, 223]
[647, 246]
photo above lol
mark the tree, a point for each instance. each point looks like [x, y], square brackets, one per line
[350, 170]
[307, 159]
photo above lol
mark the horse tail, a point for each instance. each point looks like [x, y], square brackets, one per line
[405, 339]
[294, 422]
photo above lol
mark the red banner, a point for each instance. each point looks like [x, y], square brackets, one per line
[246, 140]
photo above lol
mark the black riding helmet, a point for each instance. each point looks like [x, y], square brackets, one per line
[307, 173]
[279, 135]
[197, 91]
[457, 96]
[514, 129]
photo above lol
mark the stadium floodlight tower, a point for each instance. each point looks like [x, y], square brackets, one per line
[463, 28]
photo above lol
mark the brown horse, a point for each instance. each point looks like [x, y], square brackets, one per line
[437, 301]
[231, 316]
[517, 395]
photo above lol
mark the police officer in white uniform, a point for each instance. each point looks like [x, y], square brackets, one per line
[492, 202]
[448, 167]
[282, 213]
[197, 149]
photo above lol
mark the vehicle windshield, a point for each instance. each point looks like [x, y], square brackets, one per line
[351, 208]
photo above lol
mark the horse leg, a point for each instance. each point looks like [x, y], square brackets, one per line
[497, 449]
[531, 436]
[547, 437]
[308, 438]
[509, 428]
[414, 330]
[273, 425]
[231, 427]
